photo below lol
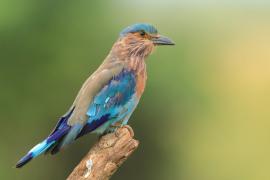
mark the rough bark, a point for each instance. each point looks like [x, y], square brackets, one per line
[106, 156]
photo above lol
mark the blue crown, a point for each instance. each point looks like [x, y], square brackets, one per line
[148, 28]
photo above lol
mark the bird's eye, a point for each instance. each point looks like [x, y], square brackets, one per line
[142, 33]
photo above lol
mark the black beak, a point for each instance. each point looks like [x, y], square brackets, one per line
[162, 40]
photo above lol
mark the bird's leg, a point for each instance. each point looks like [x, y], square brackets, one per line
[116, 124]
[114, 127]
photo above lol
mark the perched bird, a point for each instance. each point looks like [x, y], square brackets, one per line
[110, 95]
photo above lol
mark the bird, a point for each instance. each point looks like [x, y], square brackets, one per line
[109, 96]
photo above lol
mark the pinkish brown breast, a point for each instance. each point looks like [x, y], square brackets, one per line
[141, 82]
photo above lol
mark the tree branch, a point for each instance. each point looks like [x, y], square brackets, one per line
[106, 156]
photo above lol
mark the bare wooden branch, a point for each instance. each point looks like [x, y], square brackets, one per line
[106, 156]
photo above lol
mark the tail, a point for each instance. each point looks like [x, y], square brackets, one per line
[34, 152]
[54, 138]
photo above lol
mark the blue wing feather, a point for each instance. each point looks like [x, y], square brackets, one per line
[113, 102]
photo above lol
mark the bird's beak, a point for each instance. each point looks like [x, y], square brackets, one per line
[162, 40]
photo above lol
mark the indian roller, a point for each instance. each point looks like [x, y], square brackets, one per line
[109, 96]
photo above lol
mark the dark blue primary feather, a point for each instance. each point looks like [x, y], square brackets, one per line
[113, 102]
[63, 121]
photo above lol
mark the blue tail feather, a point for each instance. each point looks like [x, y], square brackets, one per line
[28, 157]
[40, 148]
[34, 152]
[51, 141]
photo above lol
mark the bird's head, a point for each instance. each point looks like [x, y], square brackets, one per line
[139, 40]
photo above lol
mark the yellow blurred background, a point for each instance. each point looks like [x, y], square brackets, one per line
[205, 113]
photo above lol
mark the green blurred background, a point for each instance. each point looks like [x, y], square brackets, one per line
[205, 113]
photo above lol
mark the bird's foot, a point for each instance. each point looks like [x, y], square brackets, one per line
[114, 127]
[129, 129]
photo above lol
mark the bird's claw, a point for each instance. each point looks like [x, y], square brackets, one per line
[131, 132]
